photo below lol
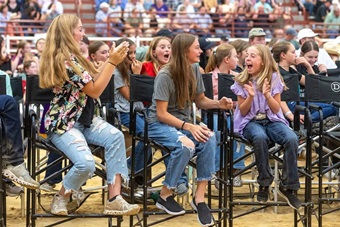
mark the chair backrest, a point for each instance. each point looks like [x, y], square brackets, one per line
[35, 94]
[333, 72]
[2, 85]
[208, 85]
[141, 88]
[322, 88]
[108, 94]
[292, 83]
[224, 83]
[16, 84]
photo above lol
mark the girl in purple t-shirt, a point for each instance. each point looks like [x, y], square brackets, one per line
[258, 117]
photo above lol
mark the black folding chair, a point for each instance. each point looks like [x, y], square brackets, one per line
[37, 96]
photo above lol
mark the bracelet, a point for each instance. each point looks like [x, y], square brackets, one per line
[287, 113]
[112, 64]
[183, 124]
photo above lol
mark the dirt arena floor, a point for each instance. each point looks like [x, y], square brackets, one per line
[268, 217]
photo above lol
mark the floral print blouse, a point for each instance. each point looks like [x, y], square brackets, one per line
[67, 105]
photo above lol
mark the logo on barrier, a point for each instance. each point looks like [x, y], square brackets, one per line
[335, 86]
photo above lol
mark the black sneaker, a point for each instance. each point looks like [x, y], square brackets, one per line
[170, 206]
[290, 196]
[204, 216]
[262, 194]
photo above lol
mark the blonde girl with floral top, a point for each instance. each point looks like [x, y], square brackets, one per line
[71, 123]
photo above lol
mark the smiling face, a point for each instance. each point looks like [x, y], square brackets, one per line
[32, 69]
[163, 51]
[253, 61]
[311, 57]
[194, 52]
[102, 54]
[78, 32]
[131, 55]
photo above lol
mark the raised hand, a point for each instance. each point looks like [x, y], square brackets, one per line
[136, 66]
[266, 88]
[250, 89]
[118, 54]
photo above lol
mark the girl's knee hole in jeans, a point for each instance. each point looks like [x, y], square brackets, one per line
[186, 142]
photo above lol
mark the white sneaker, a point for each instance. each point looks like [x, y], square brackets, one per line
[58, 205]
[20, 175]
[120, 207]
[48, 187]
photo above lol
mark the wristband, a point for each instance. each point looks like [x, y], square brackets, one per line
[287, 113]
[112, 64]
[183, 124]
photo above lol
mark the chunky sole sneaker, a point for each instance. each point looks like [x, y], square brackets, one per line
[58, 205]
[48, 187]
[20, 175]
[290, 196]
[13, 190]
[78, 198]
[204, 216]
[120, 207]
[170, 206]
[237, 181]
[263, 194]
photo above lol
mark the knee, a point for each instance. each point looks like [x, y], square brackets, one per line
[10, 101]
[189, 144]
[86, 166]
[260, 138]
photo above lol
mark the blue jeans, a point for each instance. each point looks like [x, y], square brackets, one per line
[74, 144]
[239, 148]
[139, 152]
[13, 152]
[259, 134]
[180, 155]
[327, 110]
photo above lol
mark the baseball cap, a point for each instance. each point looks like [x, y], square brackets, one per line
[306, 33]
[104, 5]
[254, 32]
[164, 32]
[205, 43]
[225, 37]
[291, 31]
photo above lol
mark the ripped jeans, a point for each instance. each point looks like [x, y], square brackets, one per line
[73, 144]
[169, 137]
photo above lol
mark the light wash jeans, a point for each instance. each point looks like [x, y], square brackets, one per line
[74, 144]
[259, 133]
[180, 155]
[239, 148]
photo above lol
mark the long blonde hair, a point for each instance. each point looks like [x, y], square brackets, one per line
[149, 54]
[269, 66]
[181, 69]
[60, 45]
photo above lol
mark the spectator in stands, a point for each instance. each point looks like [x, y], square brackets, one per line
[133, 5]
[182, 22]
[188, 8]
[150, 23]
[306, 34]
[279, 33]
[98, 2]
[115, 11]
[14, 8]
[290, 36]
[241, 21]
[229, 7]
[257, 36]
[147, 4]
[332, 23]
[24, 47]
[51, 9]
[134, 24]
[13, 153]
[103, 20]
[162, 9]
[263, 12]
[322, 10]
[31, 13]
[12, 28]
[39, 46]
[241, 49]
[210, 5]
[204, 24]
[309, 5]
[5, 58]
[84, 47]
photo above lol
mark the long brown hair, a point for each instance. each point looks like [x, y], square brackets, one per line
[122, 67]
[181, 70]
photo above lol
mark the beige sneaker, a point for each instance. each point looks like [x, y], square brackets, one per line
[120, 207]
[20, 175]
[58, 205]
